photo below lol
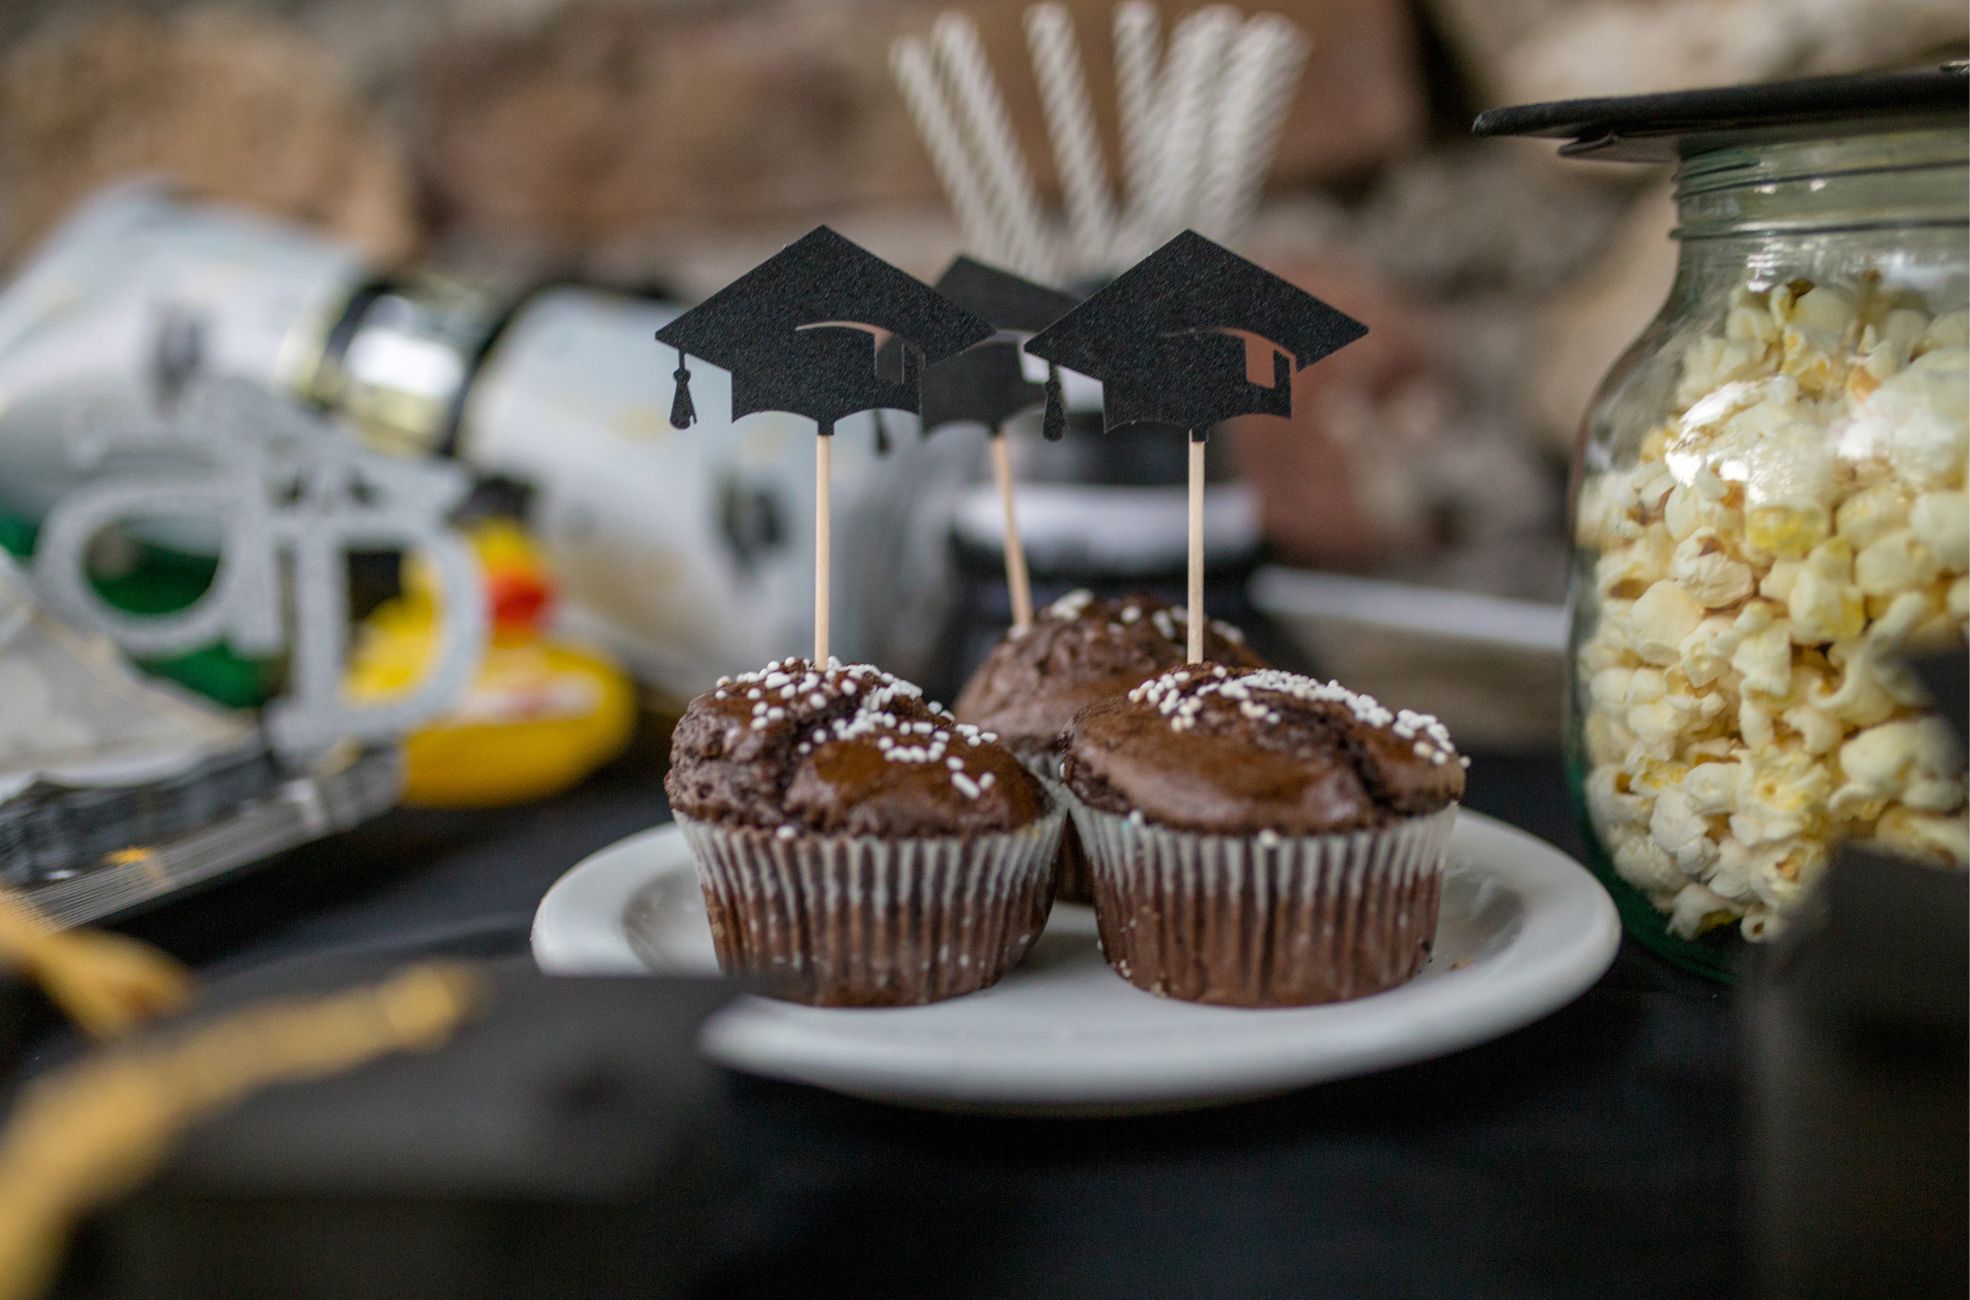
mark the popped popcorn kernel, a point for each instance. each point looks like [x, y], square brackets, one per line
[1914, 760]
[1825, 311]
[1818, 730]
[1704, 656]
[1824, 603]
[1611, 802]
[1941, 521]
[1689, 509]
[1903, 327]
[1681, 831]
[1893, 564]
[1645, 864]
[1695, 909]
[1628, 570]
[1748, 323]
[1872, 513]
[1949, 331]
[1659, 620]
[1607, 739]
[1940, 839]
[1786, 528]
[1917, 423]
[1704, 566]
[1711, 788]
[1712, 363]
[1763, 659]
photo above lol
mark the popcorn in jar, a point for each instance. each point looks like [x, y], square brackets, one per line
[1772, 513]
[1744, 709]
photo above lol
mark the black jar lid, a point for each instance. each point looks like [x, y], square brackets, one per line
[1660, 127]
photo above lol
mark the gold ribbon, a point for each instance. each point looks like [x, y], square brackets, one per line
[84, 1135]
[105, 983]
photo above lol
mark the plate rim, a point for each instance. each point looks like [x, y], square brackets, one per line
[1568, 934]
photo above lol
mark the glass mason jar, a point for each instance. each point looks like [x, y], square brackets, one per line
[1769, 512]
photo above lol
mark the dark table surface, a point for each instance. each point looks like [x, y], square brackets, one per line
[1597, 1153]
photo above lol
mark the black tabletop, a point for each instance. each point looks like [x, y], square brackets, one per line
[1597, 1153]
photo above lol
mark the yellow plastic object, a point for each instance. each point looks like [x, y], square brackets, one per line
[540, 715]
[537, 720]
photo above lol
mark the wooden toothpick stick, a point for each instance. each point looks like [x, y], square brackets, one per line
[823, 466]
[1195, 650]
[1017, 581]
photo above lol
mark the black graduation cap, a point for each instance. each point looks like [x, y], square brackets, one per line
[1167, 337]
[799, 331]
[987, 383]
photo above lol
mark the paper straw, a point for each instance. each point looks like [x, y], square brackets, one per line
[1196, 59]
[1264, 74]
[1228, 150]
[989, 127]
[930, 109]
[1136, 58]
[1070, 125]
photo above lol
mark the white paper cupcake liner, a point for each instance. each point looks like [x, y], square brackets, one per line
[1071, 881]
[858, 921]
[1265, 921]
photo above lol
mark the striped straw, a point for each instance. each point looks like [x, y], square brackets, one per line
[1199, 128]
[1137, 56]
[1070, 124]
[1278, 56]
[1196, 61]
[1261, 71]
[910, 63]
[983, 111]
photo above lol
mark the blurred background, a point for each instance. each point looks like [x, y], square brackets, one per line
[427, 245]
[662, 147]
[678, 141]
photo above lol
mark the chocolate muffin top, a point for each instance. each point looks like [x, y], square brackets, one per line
[1077, 651]
[845, 750]
[1240, 751]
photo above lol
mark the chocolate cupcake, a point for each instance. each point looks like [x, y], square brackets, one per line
[1258, 838]
[856, 845]
[1080, 650]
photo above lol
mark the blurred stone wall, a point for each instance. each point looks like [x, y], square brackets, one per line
[679, 140]
[557, 127]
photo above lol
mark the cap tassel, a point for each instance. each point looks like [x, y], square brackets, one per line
[1054, 425]
[682, 414]
[882, 434]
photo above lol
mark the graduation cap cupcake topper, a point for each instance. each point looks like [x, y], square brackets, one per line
[1168, 341]
[799, 334]
[987, 385]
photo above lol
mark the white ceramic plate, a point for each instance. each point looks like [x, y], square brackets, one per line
[1523, 931]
